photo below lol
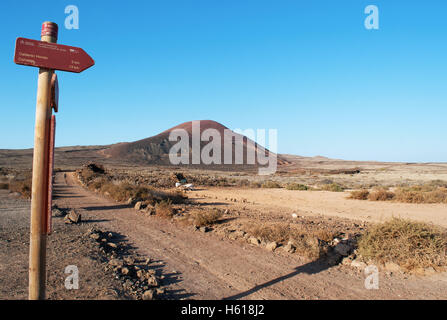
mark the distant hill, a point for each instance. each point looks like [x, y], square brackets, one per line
[155, 150]
[150, 151]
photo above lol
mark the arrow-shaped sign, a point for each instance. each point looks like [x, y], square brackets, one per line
[51, 56]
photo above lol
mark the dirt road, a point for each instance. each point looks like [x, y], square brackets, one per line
[208, 267]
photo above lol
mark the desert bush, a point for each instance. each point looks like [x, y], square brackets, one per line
[279, 233]
[296, 186]
[359, 194]
[423, 194]
[21, 186]
[270, 184]
[310, 243]
[381, 194]
[164, 209]
[409, 244]
[255, 184]
[205, 217]
[333, 187]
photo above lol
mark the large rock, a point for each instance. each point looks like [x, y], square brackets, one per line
[271, 246]
[56, 212]
[290, 248]
[72, 217]
[342, 249]
[254, 241]
[152, 280]
[138, 205]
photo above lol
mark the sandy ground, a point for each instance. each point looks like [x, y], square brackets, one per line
[211, 267]
[199, 265]
[285, 202]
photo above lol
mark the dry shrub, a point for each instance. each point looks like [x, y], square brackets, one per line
[91, 171]
[359, 194]
[164, 209]
[122, 191]
[279, 233]
[333, 187]
[270, 184]
[255, 184]
[422, 194]
[296, 186]
[205, 218]
[409, 244]
[311, 243]
[21, 186]
[380, 195]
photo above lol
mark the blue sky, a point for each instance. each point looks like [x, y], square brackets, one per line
[309, 69]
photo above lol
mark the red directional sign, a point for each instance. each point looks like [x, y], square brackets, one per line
[51, 56]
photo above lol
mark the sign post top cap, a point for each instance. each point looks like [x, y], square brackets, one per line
[49, 29]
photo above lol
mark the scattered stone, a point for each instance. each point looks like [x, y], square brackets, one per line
[94, 236]
[72, 217]
[254, 241]
[56, 212]
[152, 280]
[204, 229]
[112, 245]
[271, 246]
[290, 248]
[148, 294]
[236, 234]
[129, 260]
[130, 201]
[150, 210]
[125, 271]
[116, 263]
[342, 249]
[358, 264]
[141, 275]
[346, 261]
[138, 205]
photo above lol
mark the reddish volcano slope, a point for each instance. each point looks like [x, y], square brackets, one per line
[155, 150]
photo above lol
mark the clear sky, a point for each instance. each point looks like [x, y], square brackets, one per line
[309, 69]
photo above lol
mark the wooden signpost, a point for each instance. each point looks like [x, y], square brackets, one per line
[47, 56]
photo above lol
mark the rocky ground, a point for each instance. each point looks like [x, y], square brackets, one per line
[109, 268]
[124, 252]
